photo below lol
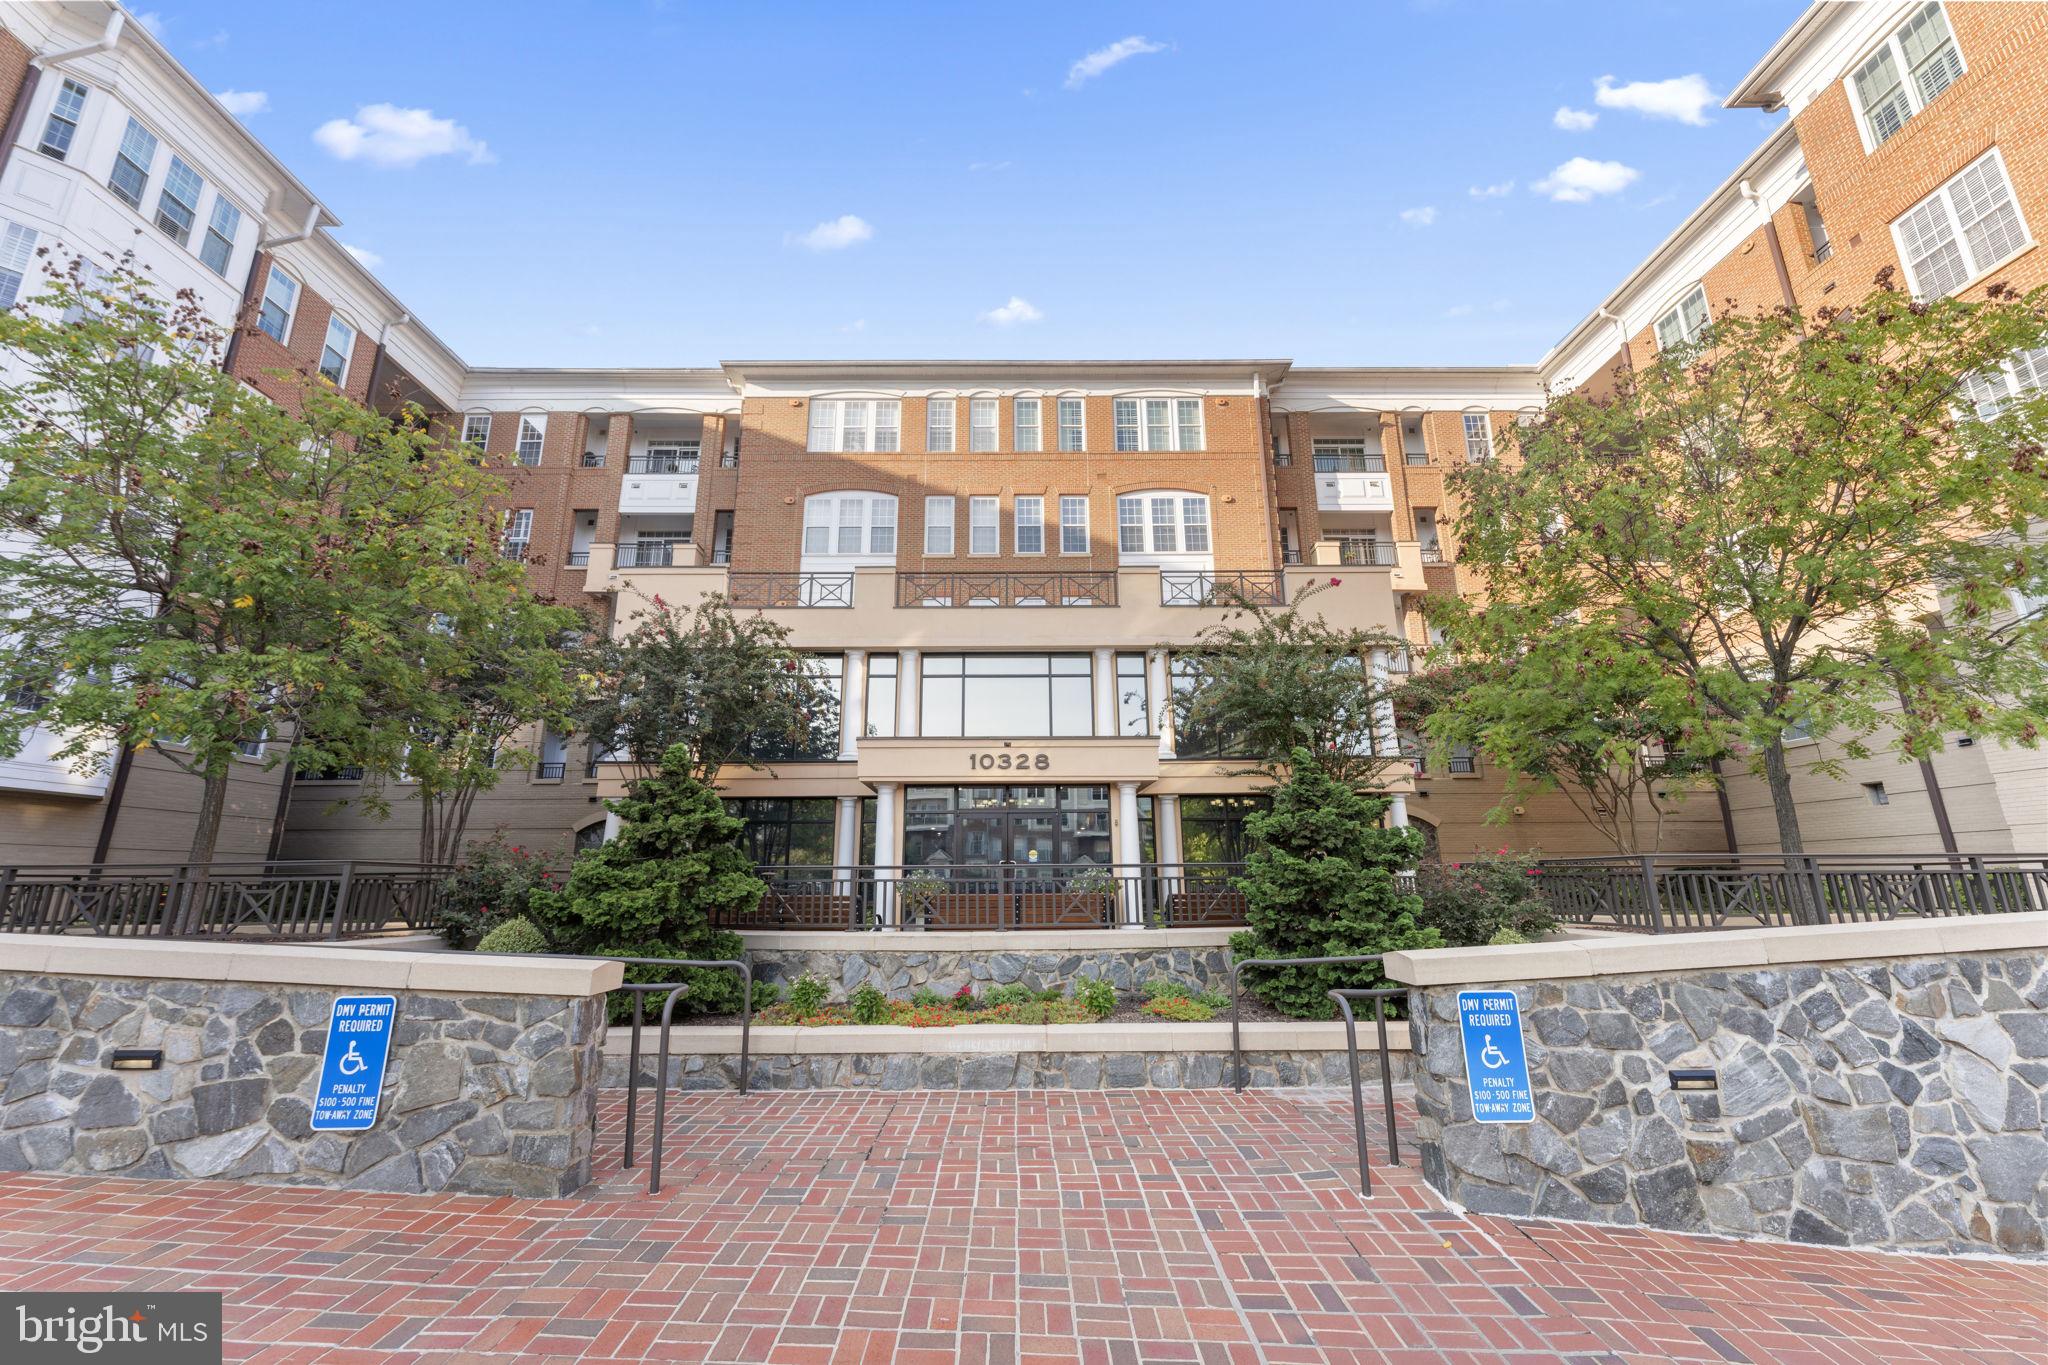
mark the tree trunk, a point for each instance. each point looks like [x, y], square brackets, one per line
[1779, 774]
[213, 799]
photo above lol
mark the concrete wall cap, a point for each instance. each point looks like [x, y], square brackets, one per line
[1061, 941]
[1644, 954]
[301, 964]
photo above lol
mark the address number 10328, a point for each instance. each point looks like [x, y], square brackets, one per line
[999, 762]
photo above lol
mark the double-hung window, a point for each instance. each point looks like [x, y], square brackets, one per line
[1962, 230]
[984, 526]
[850, 524]
[17, 252]
[336, 349]
[1906, 72]
[476, 429]
[983, 423]
[531, 440]
[221, 226]
[938, 526]
[518, 533]
[1989, 392]
[1073, 419]
[1030, 515]
[1158, 423]
[1074, 525]
[1478, 438]
[1683, 324]
[280, 297]
[62, 125]
[177, 207]
[1024, 413]
[1162, 523]
[938, 424]
[131, 164]
[856, 424]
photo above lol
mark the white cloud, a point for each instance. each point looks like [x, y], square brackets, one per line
[1419, 217]
[857, 325]
[1505, 187]
[368, 259]
[1460, 310]
[1574, 120]
[1010, 314]
[242, 103]
[836, 234]
[386, 135]
[1580, 180]
[152, 21]
[1684, 98]
[1103, 58]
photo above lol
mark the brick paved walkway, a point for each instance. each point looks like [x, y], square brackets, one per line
[1057, 1226]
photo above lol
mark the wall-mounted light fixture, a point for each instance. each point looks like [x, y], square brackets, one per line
[136, 1059]
[1693, 1078]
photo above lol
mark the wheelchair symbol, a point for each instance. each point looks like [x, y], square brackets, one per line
[1490, 1057]
[352, 1062]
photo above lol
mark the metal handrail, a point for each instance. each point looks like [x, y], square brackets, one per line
[1331, 462]
[1011, 588]
[1237, 967]
[1202, 587]
[1379, 998]
[675, 991]
[755, 590]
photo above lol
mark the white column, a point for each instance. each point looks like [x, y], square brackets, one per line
[888, 876]
[1397, 811]
[1162, 699]
[1105, 692]
[612, 825]
[846, 840]
[1127, 852]
[1387, 739]
[1166, 830]
[853, 706]
[906, 693]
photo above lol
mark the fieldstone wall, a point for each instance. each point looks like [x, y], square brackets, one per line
[1008, 1070]
[1894, 1102]
[491, 1094]
[899, 968]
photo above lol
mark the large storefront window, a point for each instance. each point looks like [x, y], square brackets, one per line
[821, 740]
[1212, 827]
[798, 831]
[984, 826]
[1007, 695]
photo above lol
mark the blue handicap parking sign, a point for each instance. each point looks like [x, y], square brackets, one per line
[1495, 1062]
[352, 1068]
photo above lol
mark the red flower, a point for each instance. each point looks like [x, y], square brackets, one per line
[966, 992]
[1335, 582]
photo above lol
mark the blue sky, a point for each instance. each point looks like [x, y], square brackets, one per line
[680, 183]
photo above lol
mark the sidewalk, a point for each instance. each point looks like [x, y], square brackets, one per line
[1111, 1227]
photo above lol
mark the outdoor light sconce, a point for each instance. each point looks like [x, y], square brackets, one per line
[136, 1059]
[1693, 1078]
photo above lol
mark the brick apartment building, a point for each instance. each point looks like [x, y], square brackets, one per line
[994, 562]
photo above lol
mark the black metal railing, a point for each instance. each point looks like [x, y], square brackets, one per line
[579, 558]
[280, 900]
[1331, 462]
[1083, 588]
[1432, 554]
[998, 896]
[768, 590]
[672, 992]
[1221, 587]
[647, 554]
[1372, 553]
[667, 462]
[1662, 893]
[550, 771]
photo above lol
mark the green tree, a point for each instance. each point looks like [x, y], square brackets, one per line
[655, 889]
[1324, 880]
[1566, 712]
[1264, 682]
[1793, 525]
[202, 571]
[728, 688]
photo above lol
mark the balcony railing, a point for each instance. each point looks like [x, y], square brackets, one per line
[1665, 893]
[1221, 587]
[998, 896]
[647, 554]
[1357, 550]
[1329, 462]
[662, 463]
[763, 591]
[579, 558]
[1085, 588]
[550, 772]
[279, 900]
[1432, 554]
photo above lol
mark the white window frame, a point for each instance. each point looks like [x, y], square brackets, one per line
[69, 121]
[473, 437]
[1482, 452]
[223, 225]
[17, 255]
[1060, 409]
[984, 435]
[184, 196]
[518, 531]
[532, 441]
[287, 308]
[1152, 525]
[1028, 514]
[1686, 332]
[1072, 525]
[1915, 100]
[122, 158]
[856, 425]
[936, 431]
[2015, 377]
[1148, 435]
[939, 515]
[1029, 435]
[984, 525]
[346, 352]
[1958, 234]
[873, 519]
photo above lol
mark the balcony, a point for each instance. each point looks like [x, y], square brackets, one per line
[761, 591]
[1360, 490]
[579, 559]
[549, 772]
[1328, 463]
[1367, 552]
[660, 481]
[1222, 587]
[1086, 588]
[1432, 554]
[648, 554]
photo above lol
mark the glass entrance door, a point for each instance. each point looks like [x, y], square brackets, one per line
[1016, 826]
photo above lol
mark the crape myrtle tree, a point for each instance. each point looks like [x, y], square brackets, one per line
[726, 687]
[1568, 711]
[1794, 525]
[194, 568]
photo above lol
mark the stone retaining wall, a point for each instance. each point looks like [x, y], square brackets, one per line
[1883, 1093]
[900, 963]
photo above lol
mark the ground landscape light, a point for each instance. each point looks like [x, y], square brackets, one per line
[136, 1059]
[1693, 1078]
